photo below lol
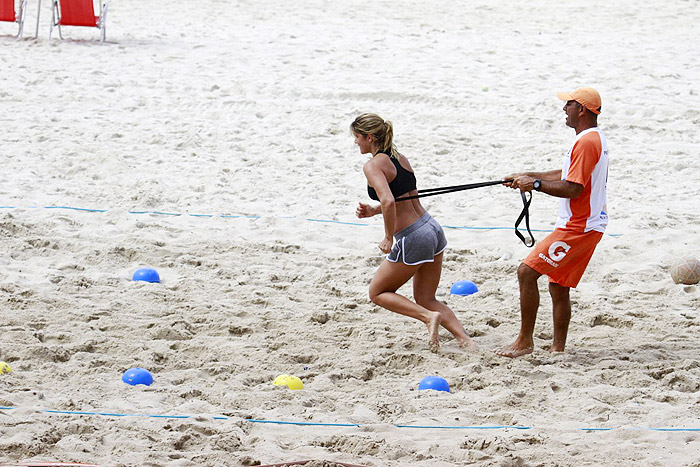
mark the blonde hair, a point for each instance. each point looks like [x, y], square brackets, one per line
[383, 132]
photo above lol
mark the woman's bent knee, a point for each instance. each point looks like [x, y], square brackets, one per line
[375, 294]
[425, 301]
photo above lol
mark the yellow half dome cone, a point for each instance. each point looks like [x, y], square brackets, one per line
[5, 368]
[292, 382]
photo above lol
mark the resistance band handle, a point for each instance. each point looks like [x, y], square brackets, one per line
[525, 214]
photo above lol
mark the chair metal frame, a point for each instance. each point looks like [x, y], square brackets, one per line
[56, 19]
[20, 16]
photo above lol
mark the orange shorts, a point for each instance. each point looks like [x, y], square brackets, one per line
[563, 255]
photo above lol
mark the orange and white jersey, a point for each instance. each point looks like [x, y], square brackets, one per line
[586, 163]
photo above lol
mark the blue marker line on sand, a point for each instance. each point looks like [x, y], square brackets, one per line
[467, 427]
[226, 216]
[439, 427]
[160, 213]
[278, 422]
[75, 209]
[338, 222]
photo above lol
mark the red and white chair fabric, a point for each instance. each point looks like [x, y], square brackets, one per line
[9, 13]
[78, 13]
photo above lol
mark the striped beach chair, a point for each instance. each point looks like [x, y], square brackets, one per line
[8, 13]
[78, 13]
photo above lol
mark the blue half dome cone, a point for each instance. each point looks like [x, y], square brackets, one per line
[146, 274]
[464, 288]
[134, 376]
[435, 383]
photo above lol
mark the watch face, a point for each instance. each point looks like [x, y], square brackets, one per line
[537, 185]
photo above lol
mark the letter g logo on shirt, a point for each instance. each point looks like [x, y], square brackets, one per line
[558, 255]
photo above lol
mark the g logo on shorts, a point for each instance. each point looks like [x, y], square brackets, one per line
[558, 255]
[563, 255]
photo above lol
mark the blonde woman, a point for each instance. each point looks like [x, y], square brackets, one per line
[420, 242]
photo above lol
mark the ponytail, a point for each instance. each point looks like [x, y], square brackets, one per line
[389, 146]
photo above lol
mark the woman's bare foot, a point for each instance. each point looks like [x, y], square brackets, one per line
[467, 344]
[514, 350]
[433, 328]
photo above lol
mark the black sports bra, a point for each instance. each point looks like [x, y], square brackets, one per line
[404, 182]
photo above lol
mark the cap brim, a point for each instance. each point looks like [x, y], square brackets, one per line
[565, 96]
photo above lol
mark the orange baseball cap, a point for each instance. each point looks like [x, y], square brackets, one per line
[587, 97]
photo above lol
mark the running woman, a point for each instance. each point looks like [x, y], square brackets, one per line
[418, 240]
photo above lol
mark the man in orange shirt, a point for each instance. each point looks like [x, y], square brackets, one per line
[564, 254]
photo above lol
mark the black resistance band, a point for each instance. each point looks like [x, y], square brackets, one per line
[525, 214]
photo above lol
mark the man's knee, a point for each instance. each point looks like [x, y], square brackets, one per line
[526, 273]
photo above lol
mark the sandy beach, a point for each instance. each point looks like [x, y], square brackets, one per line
[210, 141]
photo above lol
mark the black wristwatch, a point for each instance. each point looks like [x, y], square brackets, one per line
[537, 184]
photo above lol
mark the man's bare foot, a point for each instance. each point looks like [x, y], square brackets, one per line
[557, 346]
[514, 350]
[433, 327]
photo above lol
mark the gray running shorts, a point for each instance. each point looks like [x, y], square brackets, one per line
[418, 243]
